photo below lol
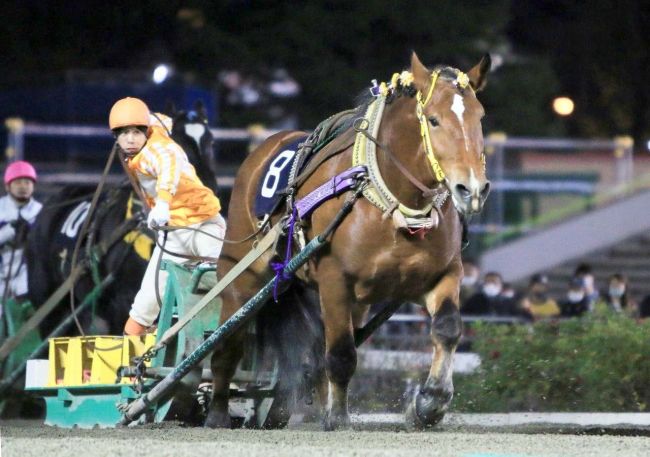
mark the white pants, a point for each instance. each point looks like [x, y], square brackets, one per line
[145, 307]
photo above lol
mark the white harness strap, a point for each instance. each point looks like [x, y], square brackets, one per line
[365, 153]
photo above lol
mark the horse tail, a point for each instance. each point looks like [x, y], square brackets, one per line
[291, 330]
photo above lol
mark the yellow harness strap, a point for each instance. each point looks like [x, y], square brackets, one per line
[142, 244]
[364, 152]
[424, 128]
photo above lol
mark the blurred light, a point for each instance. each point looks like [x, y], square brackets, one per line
[563, 106]
[192, 16]
[497, 60]
[160, 74]
[647, 145]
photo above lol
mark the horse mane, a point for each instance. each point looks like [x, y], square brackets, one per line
[77, 190]
[68, 193]
[366, 97]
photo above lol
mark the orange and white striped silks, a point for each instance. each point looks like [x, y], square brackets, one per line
[165, 173]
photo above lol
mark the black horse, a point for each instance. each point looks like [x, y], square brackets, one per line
[191, 131]
[52, 240]
[50, 247]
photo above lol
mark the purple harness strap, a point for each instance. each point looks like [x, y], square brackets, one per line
[278, 267]
[331, 188]
[306, 205]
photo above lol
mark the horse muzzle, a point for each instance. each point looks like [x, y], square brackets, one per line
[469, 199]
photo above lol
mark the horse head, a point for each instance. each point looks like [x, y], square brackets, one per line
[450, 115]
[192, 133]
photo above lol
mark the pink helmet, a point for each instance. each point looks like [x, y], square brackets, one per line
[19, 169]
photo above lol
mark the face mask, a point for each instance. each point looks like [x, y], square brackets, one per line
[508, 294]
[491, 290]
[575, 296]
[468, 281]
[588, 281]
[616, 292]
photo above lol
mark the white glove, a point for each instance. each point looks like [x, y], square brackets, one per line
[159, 215]
[7, 233]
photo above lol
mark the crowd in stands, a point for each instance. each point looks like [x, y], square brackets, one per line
[490, 296]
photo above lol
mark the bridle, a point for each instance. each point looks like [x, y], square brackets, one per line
[364, 152]
[462, 81]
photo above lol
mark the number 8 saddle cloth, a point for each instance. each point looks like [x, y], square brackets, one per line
[275, 178]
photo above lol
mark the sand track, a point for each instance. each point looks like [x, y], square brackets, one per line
[31, 438]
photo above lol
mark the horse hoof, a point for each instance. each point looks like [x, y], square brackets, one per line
[336, 422]
[417, 423]
[217, 420]
[427, 409]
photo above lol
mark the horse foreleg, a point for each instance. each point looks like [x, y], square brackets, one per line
[340, 355]
[225, 358]
[431, 402]
[224, 362]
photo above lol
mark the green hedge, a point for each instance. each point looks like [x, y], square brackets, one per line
[596, 363]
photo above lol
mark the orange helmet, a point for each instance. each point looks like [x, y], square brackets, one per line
[128, 111]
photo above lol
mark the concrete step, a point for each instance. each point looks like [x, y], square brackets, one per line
[633, 250]
[630, 257]
[619, 229]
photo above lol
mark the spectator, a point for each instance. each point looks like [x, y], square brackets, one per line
[488, 301]
[576, 302]
[18, 211]
[536, 302]
[617, 296]
[583, 271]
[469, 285]
[510, 305]
[508, 291]
[644, 307]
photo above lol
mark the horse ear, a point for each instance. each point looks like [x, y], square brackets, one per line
[421, 75]
[170, 108]
[199, 107]
[478, 74]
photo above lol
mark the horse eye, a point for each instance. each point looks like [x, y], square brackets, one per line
[434, 122]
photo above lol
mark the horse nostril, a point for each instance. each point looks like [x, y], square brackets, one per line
[486, 190]
[463, 191]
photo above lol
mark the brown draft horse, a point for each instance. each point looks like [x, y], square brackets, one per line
[369, 258]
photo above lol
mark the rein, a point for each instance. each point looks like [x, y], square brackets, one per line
[84, 229]
[172, 228]
[365, 153]
[361, 126]
[166, 229]
[67, 202]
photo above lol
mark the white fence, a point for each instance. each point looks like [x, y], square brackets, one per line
[497, 146]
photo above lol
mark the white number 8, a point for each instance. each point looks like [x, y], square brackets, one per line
[272, 178]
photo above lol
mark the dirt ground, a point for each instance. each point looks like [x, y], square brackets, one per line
[31, 438]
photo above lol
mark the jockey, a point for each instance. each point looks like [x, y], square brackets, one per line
[174, 193]
[18, 211]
